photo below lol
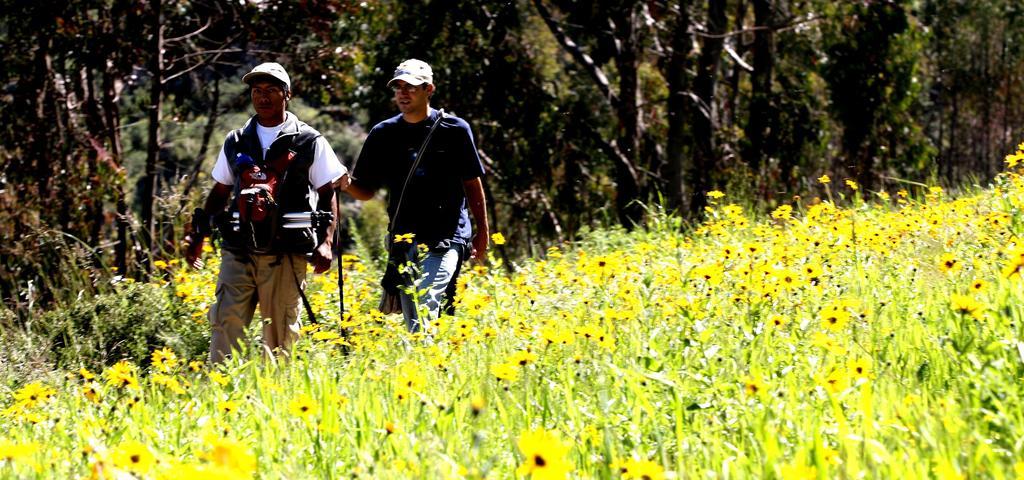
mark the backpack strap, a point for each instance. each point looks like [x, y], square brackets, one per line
[415, 163]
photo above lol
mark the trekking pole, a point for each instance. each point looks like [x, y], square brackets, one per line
[341, 271]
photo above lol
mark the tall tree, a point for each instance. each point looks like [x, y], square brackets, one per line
[613, 32]
[678, 158]
[705, 116]
[759, 125]
[872, 62]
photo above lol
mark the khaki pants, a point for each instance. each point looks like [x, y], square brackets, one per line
[246, 280]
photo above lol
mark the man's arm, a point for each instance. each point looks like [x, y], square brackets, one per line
[216, 202]
[324, 253]
[360, 191]
[478, 206]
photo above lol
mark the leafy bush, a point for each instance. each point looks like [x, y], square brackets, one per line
[127, 324]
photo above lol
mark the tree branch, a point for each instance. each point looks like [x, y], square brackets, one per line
[793, 23]
[739, 60]
[570, 46]
[611, 148]
[189, 35]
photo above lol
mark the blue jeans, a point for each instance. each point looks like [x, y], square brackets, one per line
[435, 272]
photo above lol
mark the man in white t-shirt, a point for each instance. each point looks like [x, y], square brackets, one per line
[280, 176]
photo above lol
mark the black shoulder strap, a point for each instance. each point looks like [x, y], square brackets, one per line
[415, 163]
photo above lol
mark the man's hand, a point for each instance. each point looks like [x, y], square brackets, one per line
[479, 252]
[343, 182]
[322, 257]
[193, 251]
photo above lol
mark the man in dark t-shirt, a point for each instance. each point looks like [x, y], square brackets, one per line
[429, 207]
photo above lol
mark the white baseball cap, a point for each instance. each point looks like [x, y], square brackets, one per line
[413, 72]
[273, 70]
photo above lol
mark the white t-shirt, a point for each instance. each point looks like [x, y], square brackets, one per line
[325, 169]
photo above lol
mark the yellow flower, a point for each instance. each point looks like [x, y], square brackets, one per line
[405, 238]
[227, 406]
[824, 179]
[303, 407]
[732, 211]
[18, 452]
[978, 285]
[232, 455]
[852, 184]
[635, 469]
[715, 194]
[164, 359]
[1013, 159]
[784, 212]
[712, 274]
[966, 305]
[822, 340]
[122, 375]
[543, 455]
[948, 263]
[522, 358]
[171, 383]
[219, 378]
[498, 238]
[777, 321]
[326, 335]
[859, 367]
[91, 391]
[834, 318]
[798, 471]
[506, 372]
[477, 404]
[835, 382]
[945, 470]
[754, 386]
[409, 379]
[134, 456]
[33, 394]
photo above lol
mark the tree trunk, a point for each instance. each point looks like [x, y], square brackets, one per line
[954, 149]
[704, 116]
[149, 186]
[113, 134]
[211, 124]
[627, 62]
[96, 129]
[679, 163]
[761, 85]
[729, 116]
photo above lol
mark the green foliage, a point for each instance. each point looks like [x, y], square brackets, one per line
[127, 323]
[369, 229]
[873, 54]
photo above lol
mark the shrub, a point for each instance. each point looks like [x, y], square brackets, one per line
[126, 324]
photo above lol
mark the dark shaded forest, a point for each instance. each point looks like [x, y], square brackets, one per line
[586, 114]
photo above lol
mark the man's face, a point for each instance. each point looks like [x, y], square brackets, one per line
[411, 98]
[269, 99]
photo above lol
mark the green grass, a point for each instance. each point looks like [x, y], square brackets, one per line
[827, 345]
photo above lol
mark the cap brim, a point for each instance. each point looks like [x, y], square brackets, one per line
[253, 76]
[410, 79]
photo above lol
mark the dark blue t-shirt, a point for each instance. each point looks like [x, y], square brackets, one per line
[434, 206]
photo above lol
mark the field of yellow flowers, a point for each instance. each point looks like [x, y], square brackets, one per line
[852, 337]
